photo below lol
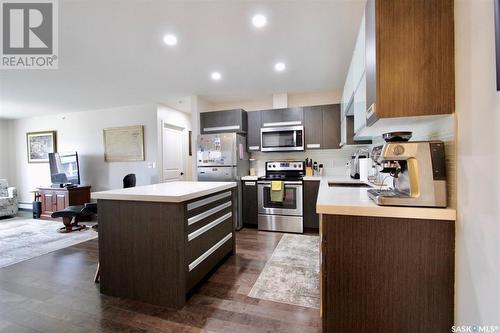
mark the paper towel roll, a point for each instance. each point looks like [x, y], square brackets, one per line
[363, 169]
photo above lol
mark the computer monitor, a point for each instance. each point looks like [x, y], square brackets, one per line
[64, 168]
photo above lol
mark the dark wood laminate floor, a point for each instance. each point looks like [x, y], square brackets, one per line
[55, 293]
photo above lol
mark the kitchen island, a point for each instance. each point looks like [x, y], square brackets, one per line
[157, 242]
[384, 268]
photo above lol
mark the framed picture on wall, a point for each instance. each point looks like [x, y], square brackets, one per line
[497, 40]
[124, 144]
[40, 144]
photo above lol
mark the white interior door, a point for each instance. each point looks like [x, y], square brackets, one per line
[173, 153]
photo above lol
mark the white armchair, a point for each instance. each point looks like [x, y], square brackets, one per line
[8, 199]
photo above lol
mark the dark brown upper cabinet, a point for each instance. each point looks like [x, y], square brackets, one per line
[253, 133]
[322, 126]
[410, 66]
[228, 121]
[283, 117]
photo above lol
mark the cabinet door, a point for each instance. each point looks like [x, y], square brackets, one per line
[360, 106]
[283, 117]
[331, 126]
[61, 200]
[250, 208]
[229, 121]
[253, 133]
[311, 189]
[371, 55]
[313, 122]
[47, 202]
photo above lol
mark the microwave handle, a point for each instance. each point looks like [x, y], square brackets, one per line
[295, 138]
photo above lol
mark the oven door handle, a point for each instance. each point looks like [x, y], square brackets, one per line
[287, 184]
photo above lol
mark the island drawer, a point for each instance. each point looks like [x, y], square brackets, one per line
[202, 239]
[199, 268]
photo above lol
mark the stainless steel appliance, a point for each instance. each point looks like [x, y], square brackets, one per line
[286, 138]
[286, 215]
[360, 154]
[223, 157]
[418, 170]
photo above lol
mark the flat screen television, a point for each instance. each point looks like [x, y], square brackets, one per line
[64, 168]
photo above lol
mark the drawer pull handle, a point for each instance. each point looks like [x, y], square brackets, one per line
[209, 226]
[283, 123]
[209, 252]
[199, 217]
[206, 201]
[221, 128]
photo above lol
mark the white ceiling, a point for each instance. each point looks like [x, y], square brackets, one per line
[111, 53]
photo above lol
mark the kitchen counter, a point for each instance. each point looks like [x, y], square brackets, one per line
[354, 201]
[178, 191]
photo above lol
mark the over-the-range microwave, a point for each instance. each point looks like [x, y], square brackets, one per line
[283, 138]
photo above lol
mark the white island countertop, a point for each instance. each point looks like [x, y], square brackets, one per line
[178, 191]
[354, 201]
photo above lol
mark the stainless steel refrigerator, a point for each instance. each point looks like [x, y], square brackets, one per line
[223, 157]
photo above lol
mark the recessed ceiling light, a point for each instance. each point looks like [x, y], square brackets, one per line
[279, 66]
[170, 39]
[216, 76]
[259, 21]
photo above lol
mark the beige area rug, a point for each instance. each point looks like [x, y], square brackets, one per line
[24, 238]
[292, 273]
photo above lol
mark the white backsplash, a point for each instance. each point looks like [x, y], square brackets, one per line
[333, 160]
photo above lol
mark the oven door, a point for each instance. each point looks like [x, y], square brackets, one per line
[291, 205]
[282, 138]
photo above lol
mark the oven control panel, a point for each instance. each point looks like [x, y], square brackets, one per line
[285, 166]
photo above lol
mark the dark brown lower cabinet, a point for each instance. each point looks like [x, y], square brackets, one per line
[387, 274]
[249, 204]
[311, 219]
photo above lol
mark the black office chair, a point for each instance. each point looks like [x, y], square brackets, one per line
[129, 180]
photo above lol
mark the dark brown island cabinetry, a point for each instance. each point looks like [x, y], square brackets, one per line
[410, 67]
[249, 204]
[228, 121]
[156, 252]
[382, 274]
[311, 218]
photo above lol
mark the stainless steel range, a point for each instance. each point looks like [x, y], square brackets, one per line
[281, 205]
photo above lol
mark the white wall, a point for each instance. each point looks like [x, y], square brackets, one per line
[294, 99]
[4, 149]
[478, 109]
[170, 116]
[83, 132]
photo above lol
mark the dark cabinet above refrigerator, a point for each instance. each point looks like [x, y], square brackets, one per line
[228, 121]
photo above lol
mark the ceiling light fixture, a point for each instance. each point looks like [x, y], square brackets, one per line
[170, 39]
[259, 21]
[216, 76]
[279, 66]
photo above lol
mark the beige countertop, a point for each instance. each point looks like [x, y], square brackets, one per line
[254, 178]
[165, 192]
[355, 201]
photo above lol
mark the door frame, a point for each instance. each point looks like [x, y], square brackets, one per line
[185, 152]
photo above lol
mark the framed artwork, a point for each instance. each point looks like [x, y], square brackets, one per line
[124, 144]
[497, 40]
[40, 144]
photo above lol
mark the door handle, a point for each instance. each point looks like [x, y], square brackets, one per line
[182, 173]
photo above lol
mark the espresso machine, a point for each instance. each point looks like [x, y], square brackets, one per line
[417, 168]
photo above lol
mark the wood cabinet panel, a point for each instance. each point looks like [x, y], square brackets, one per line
[270, 117]
[253, 133]
[55, 199]
[331, 126]
[249, 202]
[228, 121]
[410, 57]
[313, 122]
[311, 219]
[387, 274]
